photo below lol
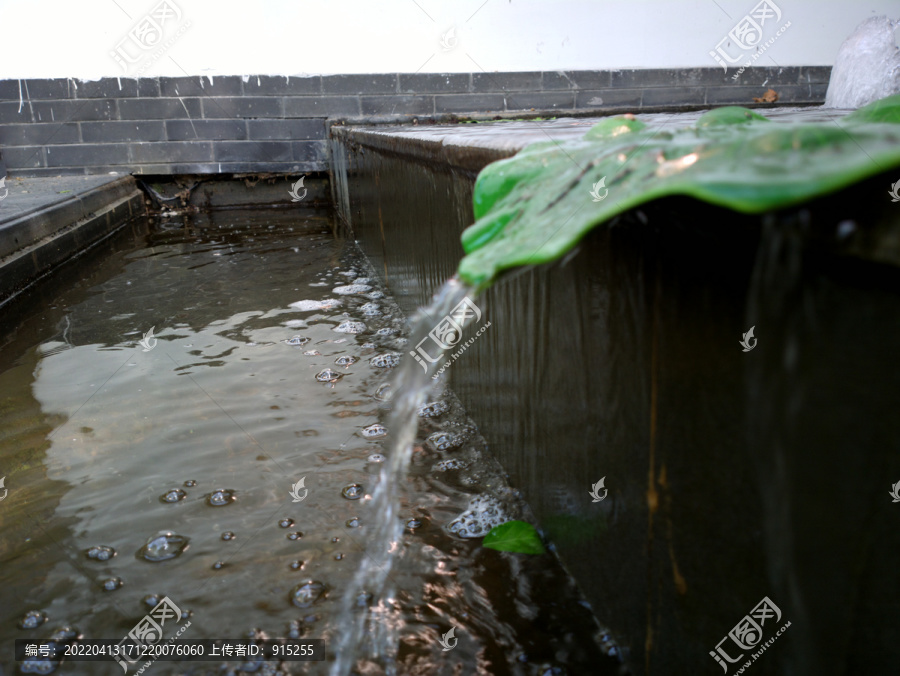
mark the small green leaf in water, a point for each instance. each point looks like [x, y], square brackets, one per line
[514, 536]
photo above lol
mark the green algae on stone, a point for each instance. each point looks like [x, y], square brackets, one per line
[535, 207]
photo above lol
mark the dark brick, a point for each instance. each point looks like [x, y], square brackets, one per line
[111, 132]
[87, 154]
[816, 92]
[277, 85]
[668, 96]
[396, 105]
[309, 151]
[252, 151]
[608, 97]
[505, 82]
[243, 107]
[54, 171]
[23, 157]
[360, 84]
[556, 80]
[434, 83]
[772, 77]
[10, 113]
[200, 86]
[590, 79]
[231, 167]
[815, 74]
[148, 86]
[108, 88]
[297, 129]
[468, 103]
[188, 130]
[320, 106]
[540, 100]
[159, 109]
[733, 94]
[9, 89]
[56, 89]
[173, 151]
[38, 134]
[74, 111]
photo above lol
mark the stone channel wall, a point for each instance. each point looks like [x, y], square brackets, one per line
[234, 124]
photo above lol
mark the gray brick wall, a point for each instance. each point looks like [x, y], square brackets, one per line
[277, 124]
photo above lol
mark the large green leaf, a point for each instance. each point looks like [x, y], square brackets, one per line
[514, 536]
[534, 207]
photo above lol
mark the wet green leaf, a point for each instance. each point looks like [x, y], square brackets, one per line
[535, 207]
[514, 536]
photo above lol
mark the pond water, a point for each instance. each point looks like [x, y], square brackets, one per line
[145, 464]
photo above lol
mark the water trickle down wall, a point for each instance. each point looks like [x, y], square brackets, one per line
[622, 359]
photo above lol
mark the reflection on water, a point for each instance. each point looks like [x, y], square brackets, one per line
[140, 467]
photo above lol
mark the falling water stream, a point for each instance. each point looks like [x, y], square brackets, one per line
[410, 387]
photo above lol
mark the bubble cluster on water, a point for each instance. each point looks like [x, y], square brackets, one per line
[190, 483]
[163, 546]
[448, 439]
[112, 583]
[370, 309]
[351, 289]
[433, 409]
[294, 535]
[484, 513]
[221, 497]
[352, 523]
[353, 491]
[173, 495]
[306, 594]
[286, 522]
[218, 565]
[385, 361]
[297, 340]
[368, 346]
[413, 524]
[296, 565]
[152, 600]
[100, 553]
[296, 324]
[350, 327]
[32, 619]
[445, 465]
[328, 376]
[374, 431]
[385, 332]
[228, 535]
[311, 305]
[312, 353]
[375, 295]
[346, 360]
[376, 458]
